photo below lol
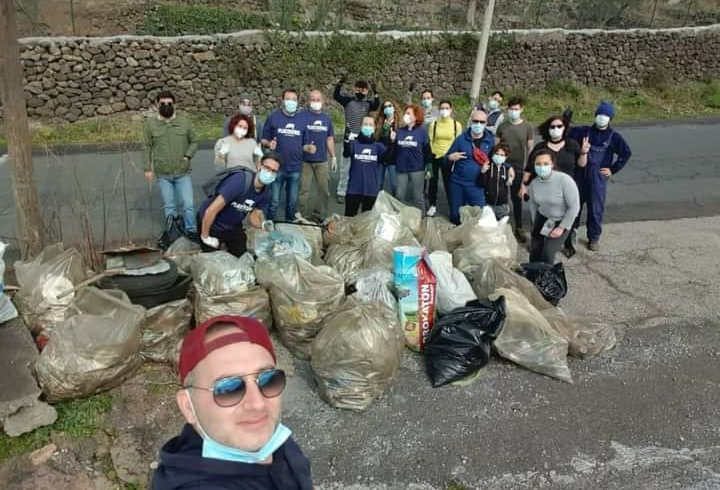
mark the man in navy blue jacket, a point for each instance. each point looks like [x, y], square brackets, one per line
[608, 154]
[231, 400]
[466, 156]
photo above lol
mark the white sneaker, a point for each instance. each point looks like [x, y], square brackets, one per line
[431, 211]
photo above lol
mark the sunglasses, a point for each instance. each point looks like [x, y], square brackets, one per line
[229, 391]
[479, 121]
[557, 126]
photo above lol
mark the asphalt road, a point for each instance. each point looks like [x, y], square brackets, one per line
[674, 173]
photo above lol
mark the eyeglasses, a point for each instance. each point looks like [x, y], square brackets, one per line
[479, 121]
[557, 126]
[229, 391]
[269, 169]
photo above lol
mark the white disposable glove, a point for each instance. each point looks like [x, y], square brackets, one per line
[211, 241]
[224, 148]
[333, 164]
[268, 225]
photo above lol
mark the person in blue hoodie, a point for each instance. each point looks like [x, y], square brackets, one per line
[283, 133]
[412, 150]
[231, 399]
[466, 156]
[607, 155]
[366, 169]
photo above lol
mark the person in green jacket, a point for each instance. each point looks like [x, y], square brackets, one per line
[170, 143]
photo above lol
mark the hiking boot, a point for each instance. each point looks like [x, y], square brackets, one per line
[431, 211]
[520, 235]
[341, 199]
[593, 245]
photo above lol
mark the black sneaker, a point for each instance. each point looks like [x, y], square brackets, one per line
[193, 236]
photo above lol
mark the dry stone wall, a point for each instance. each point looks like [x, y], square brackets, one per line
[75, 78]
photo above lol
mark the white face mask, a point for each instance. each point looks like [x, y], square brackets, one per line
[444, 113]
[407, 119]
[556, 133]
[514, 114]
[316, 106]
[602, 121]
[240, 132]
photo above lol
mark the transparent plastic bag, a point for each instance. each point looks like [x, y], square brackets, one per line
[313, 236]
[357, 354]
[254, 303]
[46, 283]
[493, 274]
[528, 339]
[388, 234]
[302, 296]
[182, 251]
[374, 285]
[219, 273]
[409, 216]
[162, 330]
[276, 244]
[453, 288]
[347, 259]
[350, 230]
[485, 240]
[585, 338]
[88, 352]
[433, 238]
[7, 309]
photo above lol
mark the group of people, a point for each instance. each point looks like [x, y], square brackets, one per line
[409, 150]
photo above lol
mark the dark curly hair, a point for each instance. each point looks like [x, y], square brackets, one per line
[242, 117]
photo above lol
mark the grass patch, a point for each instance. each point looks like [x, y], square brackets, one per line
[77, 418]
[657, 102]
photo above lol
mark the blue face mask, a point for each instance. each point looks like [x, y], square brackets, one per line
[498, 159]
[477, 128]
[266, 177]
[290, 105]
[426, 103]
[389, 111]
[367, 131]
[543, 171]
[215, 450]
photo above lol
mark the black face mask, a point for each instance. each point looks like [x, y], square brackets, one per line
[359, 95]
[166, 110]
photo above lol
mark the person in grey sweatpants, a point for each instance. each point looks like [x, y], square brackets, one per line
[554, 205]
[412, 184]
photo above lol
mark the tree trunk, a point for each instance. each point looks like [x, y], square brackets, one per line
[470, 18]
[18, 133]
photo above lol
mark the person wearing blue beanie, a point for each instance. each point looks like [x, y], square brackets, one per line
[607, 155]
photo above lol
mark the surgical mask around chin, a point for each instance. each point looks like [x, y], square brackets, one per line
[266, 177]
[426, 103]
[367, 131]
[498, 159]
[543, 171]
[602, 121]
[316, 106]
[477, 128]
[216, 450]
[245, 109]
[445, 113]
[514, 114]
[240, 132]
[290, 105]
[493, 104]
[555, 133]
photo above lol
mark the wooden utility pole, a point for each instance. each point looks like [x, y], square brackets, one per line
[481, 53]
[18, 132]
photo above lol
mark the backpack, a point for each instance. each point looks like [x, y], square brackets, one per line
[210, 188]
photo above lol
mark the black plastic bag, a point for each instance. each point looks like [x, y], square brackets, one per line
[459, 345]
[174, 229]
[549, 279]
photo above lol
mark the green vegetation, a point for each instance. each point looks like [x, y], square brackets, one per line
[688, 100]
[178, 20]
[76, 418]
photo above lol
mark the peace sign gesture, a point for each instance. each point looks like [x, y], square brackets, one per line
[585, 144]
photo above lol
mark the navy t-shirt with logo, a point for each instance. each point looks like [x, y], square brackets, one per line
[238, 201]
[288, 130]
[366, 167]
[412, 149]
[318, 127]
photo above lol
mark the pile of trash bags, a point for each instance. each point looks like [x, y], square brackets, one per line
[348, 297]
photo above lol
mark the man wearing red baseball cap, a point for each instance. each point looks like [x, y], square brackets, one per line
[231, 400]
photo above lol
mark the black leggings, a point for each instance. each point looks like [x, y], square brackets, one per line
[354, 201]
[542, 248]
[438, 169]
[235, 240]
[516, 200]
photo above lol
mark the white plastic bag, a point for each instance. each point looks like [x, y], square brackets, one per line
[374, 285]
[7, 309]
[484, 240]
[453, 288]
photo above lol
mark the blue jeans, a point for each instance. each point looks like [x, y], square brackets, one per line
[464, 194]
[291, 181]
[178, 190]
[392, 179]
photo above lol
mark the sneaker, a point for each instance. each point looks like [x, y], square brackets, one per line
[193, 236]
[341, 199]
[593, 245]
[431, 211]
[569, 251]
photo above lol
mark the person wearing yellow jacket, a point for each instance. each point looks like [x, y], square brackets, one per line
[442, 133]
